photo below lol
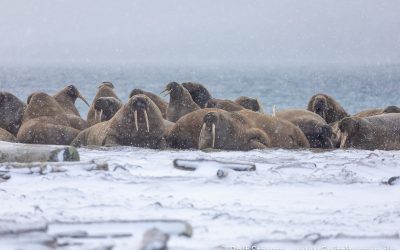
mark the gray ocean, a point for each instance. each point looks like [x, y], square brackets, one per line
[356, 87]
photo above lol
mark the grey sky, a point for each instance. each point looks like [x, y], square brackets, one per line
[354, 31]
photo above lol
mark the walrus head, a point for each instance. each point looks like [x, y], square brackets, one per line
[199, 93]
[173, 89]
[226, 105]
[320, 106]
[136, 92]
[106, 108]
[144, 112]
[72, 93]
[391, 109]
[11, 112]
[107, 84]
[349, 127]
[250, 103]
[224, 130]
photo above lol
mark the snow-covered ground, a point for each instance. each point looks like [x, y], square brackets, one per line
[321, 199]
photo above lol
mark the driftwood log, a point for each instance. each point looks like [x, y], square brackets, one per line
[26, 153]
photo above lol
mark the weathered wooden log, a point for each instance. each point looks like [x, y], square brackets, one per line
[18, 152]
[192, 165]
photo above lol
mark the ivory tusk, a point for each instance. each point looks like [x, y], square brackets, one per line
[95, 115]
[213, 135]
[274, 111]
[83, 99]
[101, 115]
[136, 122]
[147, 120]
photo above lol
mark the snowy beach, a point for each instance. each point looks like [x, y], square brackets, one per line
[296, 198]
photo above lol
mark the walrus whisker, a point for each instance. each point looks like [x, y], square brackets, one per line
[136, 122]
[147, 120]
[213, 135]
[83, 99]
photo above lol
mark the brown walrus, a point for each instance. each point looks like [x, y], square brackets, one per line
[241, 130]
[7, 136]
[138, 123]
[106, 89]
[327, 108]
[226, 105]
[45, 122]
[281, 133]
[180, 103]
[107, 107]
[314, 127]
[199, 93]
[372, 112]
[11, 112]
[161, 104]
[250, 103]
[374, 132]
[67, 97]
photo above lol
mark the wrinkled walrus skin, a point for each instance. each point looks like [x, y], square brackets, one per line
[11, 112]
[138, 123]
[374, 132]
[45, 122]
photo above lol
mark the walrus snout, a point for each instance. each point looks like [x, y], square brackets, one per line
[171, 87]
[208, 132]
[140, 103]
[320, 106]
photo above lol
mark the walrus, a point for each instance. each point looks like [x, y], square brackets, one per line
[374, 132]
[138, 123]
[106, 89]
[238, 130]
[314, 127]
[67, 97]
[11, 112]
[45, 122]
[162, 105]
[180, 103]
[7, 136]
[282, 134]
[372, 112]
[226, 105]
[250, 103]
[198, 92]
[106, 108]
[327, 108]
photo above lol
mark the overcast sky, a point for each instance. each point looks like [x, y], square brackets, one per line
[281, 31]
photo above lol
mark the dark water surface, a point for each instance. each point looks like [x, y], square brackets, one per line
[355, 87]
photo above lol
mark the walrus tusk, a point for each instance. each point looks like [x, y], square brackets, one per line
[136, 123]
[95, 115]
[83, 99]
[274, 111]
[213, 135]
[166, 91]
[261, 110]
[147, 120]
[101, 115]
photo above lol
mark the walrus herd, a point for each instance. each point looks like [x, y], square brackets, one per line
[192, 119]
